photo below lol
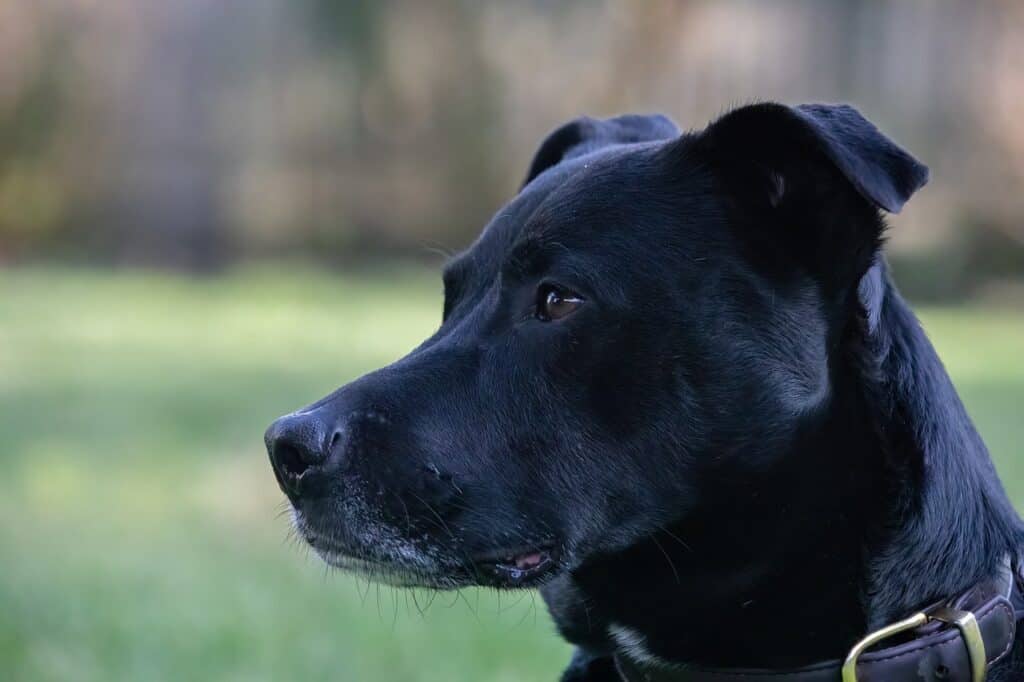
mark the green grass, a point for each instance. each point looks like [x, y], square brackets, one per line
[139, 535]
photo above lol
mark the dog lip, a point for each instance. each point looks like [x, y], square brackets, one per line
[324, 543]
[509, 554]
[519, 567]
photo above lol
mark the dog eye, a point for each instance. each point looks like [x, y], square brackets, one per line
[554, 303]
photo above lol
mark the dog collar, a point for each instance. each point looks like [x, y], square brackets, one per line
[956, 640]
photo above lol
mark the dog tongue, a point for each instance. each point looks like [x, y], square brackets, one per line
[526, 561]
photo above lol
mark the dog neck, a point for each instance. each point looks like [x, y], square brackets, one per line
[957, 522]
[805, 559]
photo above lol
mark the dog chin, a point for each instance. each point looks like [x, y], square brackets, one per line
[394, 560]
[387, 573]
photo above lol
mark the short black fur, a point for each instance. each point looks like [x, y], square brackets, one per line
[741, 419]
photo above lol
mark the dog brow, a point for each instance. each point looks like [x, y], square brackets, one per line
[527, 256]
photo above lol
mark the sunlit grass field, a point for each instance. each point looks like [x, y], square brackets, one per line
[139, 530]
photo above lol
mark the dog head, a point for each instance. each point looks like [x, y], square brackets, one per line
[651, 318]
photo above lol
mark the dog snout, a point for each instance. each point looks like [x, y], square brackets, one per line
[298, 443]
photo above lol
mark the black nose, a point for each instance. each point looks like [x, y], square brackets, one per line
[296, 443]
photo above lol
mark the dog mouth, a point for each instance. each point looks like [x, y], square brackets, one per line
[399, 562]
[519, 567]
[515, 569]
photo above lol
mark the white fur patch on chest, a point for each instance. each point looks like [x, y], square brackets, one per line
[634, 645]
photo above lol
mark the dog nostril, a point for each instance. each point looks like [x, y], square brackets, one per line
[296, 443]
[335, 439]
[289, 460]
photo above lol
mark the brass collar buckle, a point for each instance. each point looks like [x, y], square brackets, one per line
[964, 621]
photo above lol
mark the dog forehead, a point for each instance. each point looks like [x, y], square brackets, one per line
[573, 200]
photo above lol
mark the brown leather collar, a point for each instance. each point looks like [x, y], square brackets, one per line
[936, 650]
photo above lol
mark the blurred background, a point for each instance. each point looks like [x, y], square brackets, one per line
[214, 211]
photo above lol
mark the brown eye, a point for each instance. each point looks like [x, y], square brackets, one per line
[554, 303]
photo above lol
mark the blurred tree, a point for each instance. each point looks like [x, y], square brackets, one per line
[31, 195]
[192, 134]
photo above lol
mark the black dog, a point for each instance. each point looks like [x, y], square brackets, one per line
[675, 386]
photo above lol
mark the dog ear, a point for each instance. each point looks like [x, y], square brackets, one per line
[779, 137]
[819, 172]
[584, 135]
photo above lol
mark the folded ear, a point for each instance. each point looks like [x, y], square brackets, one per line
[585, 135]
[811, 179]
[881, 171]
[779, 137]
